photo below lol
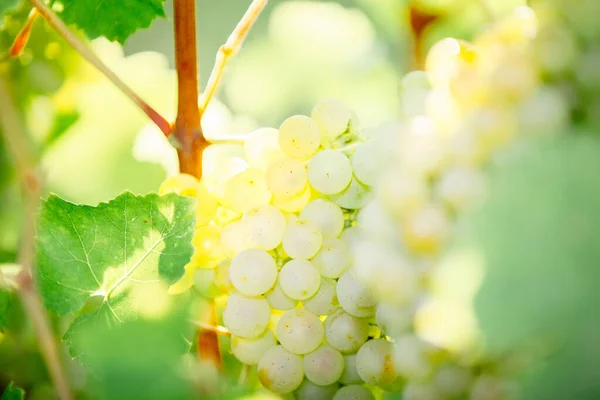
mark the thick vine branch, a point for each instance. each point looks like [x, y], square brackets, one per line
[55, 22]
[26, 166]
[229, 49]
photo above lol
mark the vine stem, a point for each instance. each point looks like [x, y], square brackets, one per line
[55, 22]
[23, 36]
[26, 165]
[229, 49]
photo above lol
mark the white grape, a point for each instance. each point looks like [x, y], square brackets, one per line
[286, 177]
[299, 137]
[426, 230]
[324, 366]
[278, 300]
[299, 279]
[374, 362]
[345, 332]
[352, 236]
[350, 375]
[250, 351]
[236, 237]
[393, 320]
[333, 259]
[460, 186]
[310, 391]
[332, 116]
[246, 317]
[329, 172]
[410, 358]
[365, 163]
[253, 272]
[355, 196]
[292, 204]
[402, 193]
[354, 392]
[377, 223]
[247, 190]
[265, 226]
[324, 302]
[280, 371]
[300, 331]
[302, 239]
[354, 297]
[261, 148]
[452, 380]
[326, 215]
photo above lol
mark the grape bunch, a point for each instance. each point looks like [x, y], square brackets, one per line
[322, 242]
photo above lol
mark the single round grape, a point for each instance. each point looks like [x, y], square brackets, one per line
[236, 237]
[354, 392]
[410, 358]
[286, 177]
[182, 184]
[354, 297]
[280, 371]
[253, 272]
[265, 226]
[426, 230]
[326, 215]
[246, 317]
[420, 391]
[452, 380]
[324, 302]
[324, 366]
[353, 197]
[216, 177]
[299, 137]
[247, 190]
[292, 204]
[460, 186]
[402, 193]
[394, 320]
[378, 224]
[365, 163]
[374, 362]
[278, 300]
[261, 148]
[302, 239]
[352, 236]
[332, 116]
[310, 391]
[333, 259]
[329, 172]
[345, 332]
[350, 375]
[300, 331]
[299, 279]
[250, 351]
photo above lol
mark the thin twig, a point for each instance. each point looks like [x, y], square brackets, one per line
[221, 330]
[23, 36]
[26, 164]
[229, 49]
[55, 22]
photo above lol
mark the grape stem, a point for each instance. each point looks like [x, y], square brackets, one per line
[23, 36]
[27, 168]
[218, 329]
[55, 22]
[229, 49]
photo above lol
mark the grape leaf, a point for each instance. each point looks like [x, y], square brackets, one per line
[6, 302]
[112, 252]
[113, 19]
[13, 392]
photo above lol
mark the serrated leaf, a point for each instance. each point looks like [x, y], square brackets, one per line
[13, 392]
[113, 19]
[108, 249]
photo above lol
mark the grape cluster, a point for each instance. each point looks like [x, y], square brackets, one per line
[325, 240]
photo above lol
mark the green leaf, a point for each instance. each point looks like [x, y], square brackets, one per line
[113, 19]
[62, 123]
[8, 5]
[13, 392]
[7, 301]
[119, 251]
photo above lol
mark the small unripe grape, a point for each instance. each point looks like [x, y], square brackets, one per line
[329, 172]
[299, 137]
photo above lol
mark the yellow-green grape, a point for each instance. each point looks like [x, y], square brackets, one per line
[261, 148]
[207, 244]
[279, 300]
[394, 320]
[333, 117]
[402, 193]
[354, 297]
[333, 259]
[355, 196]
[246, 317]
[452, 380]
[292, 204]
[310, 391]
[329, 172]
[325, 215]
[265, 225]
[236, 237]
[286, 177]
[217, 178]
[300, 331]
[250, 351]
[460, 186]
[446, 58]
[280, 371]
[183, 184]
[354, 392]
[346, 333]
[206, 205]
[299, 137]
[247, 190]
[350, 375]
[325, 301]
[299, 279]
[374, 362]
[426, 230]
[324, 366]
[302, 239]
[253, 272]
[365, 163]
[411, 358]
[222, 281]
[420, 391]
